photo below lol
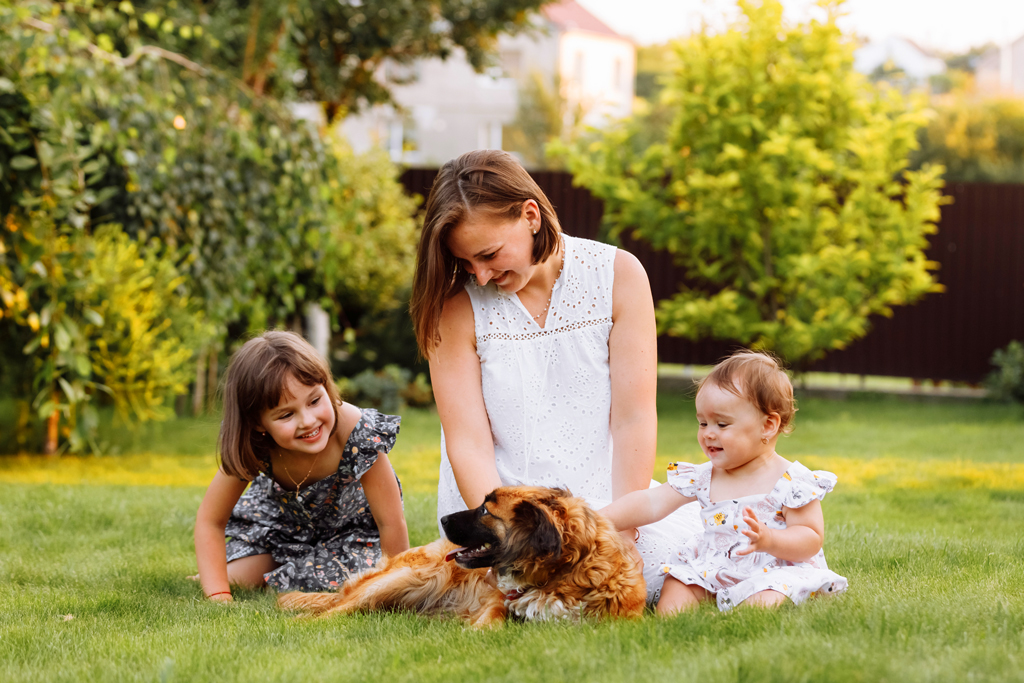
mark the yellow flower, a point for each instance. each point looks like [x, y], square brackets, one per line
[720, 518]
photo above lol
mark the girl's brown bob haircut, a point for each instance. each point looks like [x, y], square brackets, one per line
[256, 378]
[485, 180]
[759, 378]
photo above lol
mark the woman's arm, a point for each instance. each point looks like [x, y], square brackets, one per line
[801, 540]
[455, 377]
[644, 507]
[385, 499]
[633, 360]
[211, 554]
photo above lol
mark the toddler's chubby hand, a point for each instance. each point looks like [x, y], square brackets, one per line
[759, 535]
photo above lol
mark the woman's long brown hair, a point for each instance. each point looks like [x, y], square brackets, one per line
[484, 180]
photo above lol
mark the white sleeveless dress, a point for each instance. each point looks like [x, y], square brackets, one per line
[548, 397]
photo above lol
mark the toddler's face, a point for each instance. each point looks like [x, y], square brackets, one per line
[729, 428]
[303, 419]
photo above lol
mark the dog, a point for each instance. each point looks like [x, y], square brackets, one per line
[552, 556]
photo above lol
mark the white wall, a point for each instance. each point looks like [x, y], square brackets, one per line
[598, 72]
[448, 110]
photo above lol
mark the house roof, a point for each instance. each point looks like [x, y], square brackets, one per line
[569, 15]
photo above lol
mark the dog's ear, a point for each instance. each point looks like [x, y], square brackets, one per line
[540, 531]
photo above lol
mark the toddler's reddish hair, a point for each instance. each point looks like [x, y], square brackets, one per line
[758, 377]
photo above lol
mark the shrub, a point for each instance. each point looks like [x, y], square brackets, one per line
[1006, 382]
[387, 389]
[779, 184]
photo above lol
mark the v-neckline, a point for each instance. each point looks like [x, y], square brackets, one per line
[556, 287]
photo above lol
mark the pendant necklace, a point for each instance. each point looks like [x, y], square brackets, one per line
[552, 294]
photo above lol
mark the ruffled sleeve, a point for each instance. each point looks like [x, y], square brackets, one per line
[374, 433]
[801, 485]
[682, 476]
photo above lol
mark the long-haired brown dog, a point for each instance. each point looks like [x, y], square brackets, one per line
[553, 556]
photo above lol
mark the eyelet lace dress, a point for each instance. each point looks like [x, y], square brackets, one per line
[548, 396]
[732, 578]
[323, 533]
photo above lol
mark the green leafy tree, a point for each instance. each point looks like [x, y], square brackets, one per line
[543, 114]
[654, 66]
[86, 314]
[317, 50]
[977, 140]
[780, 185]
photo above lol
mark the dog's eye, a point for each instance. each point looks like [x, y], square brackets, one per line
[484, 511]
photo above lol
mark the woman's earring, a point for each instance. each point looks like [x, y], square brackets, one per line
[764, 440]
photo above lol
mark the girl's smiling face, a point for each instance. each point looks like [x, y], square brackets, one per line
[493, 248]
[303, 419]
[730, 428]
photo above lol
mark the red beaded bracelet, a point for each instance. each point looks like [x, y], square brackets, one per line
[221, 593]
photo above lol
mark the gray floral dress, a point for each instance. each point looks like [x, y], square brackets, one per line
[324, 533]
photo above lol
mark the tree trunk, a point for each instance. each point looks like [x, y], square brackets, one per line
[52, 428]
[199, 392]
[211, 382]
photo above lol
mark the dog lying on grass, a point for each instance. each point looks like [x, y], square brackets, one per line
[552, 555]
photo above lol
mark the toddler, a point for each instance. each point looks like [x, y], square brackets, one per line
[761, 514]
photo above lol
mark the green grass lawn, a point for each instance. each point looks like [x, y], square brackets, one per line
[94, 585]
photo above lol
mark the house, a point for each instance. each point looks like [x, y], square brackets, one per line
[1000, 71]
[445, 108]
[899, 58]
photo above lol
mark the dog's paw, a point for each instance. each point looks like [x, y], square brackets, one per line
[539, 606]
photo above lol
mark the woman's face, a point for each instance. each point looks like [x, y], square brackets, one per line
[497, 249]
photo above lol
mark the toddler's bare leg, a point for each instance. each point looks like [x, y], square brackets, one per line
[676, 596]
[768, 598]
[248, 572]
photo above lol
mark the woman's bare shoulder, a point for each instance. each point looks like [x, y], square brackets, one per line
[457, 317]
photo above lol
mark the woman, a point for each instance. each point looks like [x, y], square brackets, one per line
[542, 350]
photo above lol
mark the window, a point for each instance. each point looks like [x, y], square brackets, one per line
[511, 63]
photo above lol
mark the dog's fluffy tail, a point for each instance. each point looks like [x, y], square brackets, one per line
[314, 603]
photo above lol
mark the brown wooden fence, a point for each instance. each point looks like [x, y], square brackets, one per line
[947, 336]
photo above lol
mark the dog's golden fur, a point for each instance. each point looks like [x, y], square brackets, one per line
[553, 557]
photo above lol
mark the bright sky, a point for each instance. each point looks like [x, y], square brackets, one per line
[945, 25]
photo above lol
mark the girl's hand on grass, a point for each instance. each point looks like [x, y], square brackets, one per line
[759, 535]
[221, 597]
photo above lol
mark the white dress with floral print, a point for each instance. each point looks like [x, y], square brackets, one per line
[732, 578]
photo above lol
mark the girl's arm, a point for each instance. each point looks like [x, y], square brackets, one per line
[644, 507]
[455, 378]
[211, 555]
[798, 542]
[385, 499]
[633, 360]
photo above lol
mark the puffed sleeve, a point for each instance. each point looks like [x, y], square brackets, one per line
[374, 433]
[803, 485]
[682, 476]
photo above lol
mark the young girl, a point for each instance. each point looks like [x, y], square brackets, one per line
[324, 502]
[763, 527]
